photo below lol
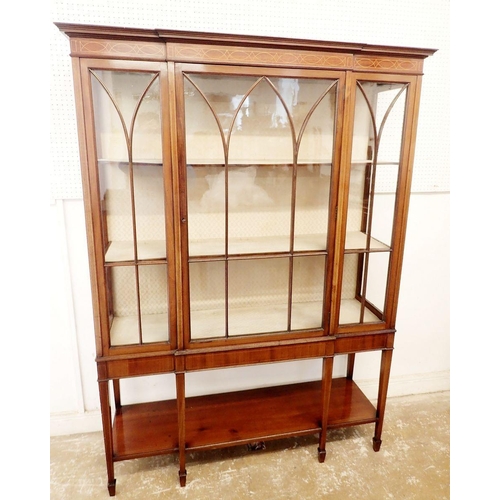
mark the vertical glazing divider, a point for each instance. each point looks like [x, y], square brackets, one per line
[226, 143]
[295, 155]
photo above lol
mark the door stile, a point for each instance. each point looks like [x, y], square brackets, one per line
[181, 223]
[332, 215]
[343, 195]
[169, 154]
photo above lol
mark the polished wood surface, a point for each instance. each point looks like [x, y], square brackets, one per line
[235, 418]
[250, 416]
[145, 429]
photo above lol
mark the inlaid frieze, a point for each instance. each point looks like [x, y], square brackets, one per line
[261, 56]
[89, 47]
[384, 63]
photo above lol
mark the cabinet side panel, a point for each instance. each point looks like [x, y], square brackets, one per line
[89, 222]
[403, 198]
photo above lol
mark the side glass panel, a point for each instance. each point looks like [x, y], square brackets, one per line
[378, 131]
[259, 155]
[127, 120]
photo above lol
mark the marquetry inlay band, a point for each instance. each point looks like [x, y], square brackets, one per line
[392, 64]
[87, 47]
[263, 56]
[185, 52]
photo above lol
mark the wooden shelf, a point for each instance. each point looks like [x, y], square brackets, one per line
[245, 416]
[145, 429]
[349, 405]
[241, 417]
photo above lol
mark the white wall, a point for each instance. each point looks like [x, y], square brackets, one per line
[421, 361]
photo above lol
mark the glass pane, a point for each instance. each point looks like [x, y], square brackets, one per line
[207, 299]
[204, 142]
[126, 106]
[390, 117]
[378, 270]
[128, 138]
[259, 210]
[116, 209]
[149, 211]
[352, 310]
[206, 209]
[153, 294]
[247, 192]
[262, 132]
[314, 114]
[123, 305]
[308, 292]
[312, 207]
[128, 325]
[258, 296]
[378, 131]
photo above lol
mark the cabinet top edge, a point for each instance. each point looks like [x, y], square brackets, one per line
[144, 34]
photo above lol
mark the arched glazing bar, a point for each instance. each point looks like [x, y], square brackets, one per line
[296, 136]
[364, 258]
[128, 135]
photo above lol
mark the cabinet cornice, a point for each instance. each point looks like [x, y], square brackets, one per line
[224, 41]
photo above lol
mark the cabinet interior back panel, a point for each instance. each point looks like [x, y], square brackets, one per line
[418, 24]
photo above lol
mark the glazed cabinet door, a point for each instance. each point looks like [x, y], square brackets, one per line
[377, 167]
[258, 158]
[130, 193]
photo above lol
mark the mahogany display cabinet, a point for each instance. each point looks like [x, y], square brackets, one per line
[246, 201]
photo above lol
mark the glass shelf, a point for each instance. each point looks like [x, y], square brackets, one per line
[350, 310]
[250, 320]
[124, 162]
[258, 245]
[124, 329]
[355, 241]
[123, 251]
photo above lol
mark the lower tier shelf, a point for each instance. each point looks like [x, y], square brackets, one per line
[228, 419]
